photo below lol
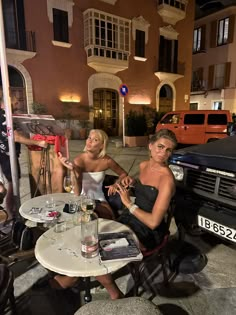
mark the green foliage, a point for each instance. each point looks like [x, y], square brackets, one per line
[136, 124]
[142, 123]
[39, 108]
[66, 110]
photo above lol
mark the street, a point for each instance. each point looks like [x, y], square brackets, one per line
[211, 292]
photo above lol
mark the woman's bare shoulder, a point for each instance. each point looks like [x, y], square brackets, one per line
[143, 164]
[167, 177]
[79, 158]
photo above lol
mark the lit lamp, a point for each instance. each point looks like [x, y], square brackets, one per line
[186, 98]
[71, 99]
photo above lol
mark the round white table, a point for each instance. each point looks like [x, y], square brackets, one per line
[60, 252]
[40, 202]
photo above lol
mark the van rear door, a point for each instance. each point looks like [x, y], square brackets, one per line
[193, 128]
[216, 126]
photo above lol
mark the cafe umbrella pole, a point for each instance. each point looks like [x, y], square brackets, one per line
[8, 111]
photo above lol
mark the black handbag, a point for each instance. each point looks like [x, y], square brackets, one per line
[22, 236]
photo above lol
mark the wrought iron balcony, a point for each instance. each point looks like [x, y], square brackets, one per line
[171, 73]
[24, 41]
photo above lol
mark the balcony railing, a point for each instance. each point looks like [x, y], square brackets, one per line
[178, 4]
[178, 68]
[26, 41]
[171, 73]
[172, 11]
[104, 59]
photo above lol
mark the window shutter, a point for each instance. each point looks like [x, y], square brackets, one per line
[203, 37]
[213, 34]
[210, 77]
[200, 74]
[231, 28]
[140, 44]
[227, 74]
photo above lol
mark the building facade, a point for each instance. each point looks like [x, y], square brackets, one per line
[92, 59]
[214, 61]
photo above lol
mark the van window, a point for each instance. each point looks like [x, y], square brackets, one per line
[217, 119]
[171, 119]
[194, 119]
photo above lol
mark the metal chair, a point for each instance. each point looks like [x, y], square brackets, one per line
[6, 289]
[159, 254]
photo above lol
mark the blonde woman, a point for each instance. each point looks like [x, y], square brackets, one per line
[88, 170]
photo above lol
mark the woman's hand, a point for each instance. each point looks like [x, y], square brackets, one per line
[124, 195]
[65, 161]
[127, 181]
[111, 189]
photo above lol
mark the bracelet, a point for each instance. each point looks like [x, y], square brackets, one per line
[132, 208]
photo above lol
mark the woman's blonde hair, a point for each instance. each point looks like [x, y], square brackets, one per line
[104, 138]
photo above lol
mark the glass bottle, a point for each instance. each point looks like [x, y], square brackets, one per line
[89, 233]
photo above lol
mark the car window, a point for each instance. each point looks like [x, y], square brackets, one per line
[217, 119]
[194, 119]
[171, 119]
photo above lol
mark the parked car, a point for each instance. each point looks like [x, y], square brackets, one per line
[206, 187]
[196, 126]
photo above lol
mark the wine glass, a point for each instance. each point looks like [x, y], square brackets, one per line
[67, 184]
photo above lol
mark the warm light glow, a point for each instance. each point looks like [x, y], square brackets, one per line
[70, 99]
[139, 100]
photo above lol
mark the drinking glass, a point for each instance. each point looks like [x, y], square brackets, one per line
[73, 206]
[87, 203]
[67, 184]
[50, 202]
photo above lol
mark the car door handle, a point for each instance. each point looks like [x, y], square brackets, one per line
[175, 126]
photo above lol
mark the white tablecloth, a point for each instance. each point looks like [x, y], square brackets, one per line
[40, 202]
[60, 252]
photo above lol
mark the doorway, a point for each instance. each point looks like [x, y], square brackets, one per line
[166, 99]
[106, 111]
[17, 91]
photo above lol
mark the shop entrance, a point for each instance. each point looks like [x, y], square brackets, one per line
[106, 111]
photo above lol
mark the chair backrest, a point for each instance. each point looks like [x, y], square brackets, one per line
[6, 286]
[170, 213]
[113, 200]
[168, 218]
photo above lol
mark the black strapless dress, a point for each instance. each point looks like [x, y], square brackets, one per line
[145, 198]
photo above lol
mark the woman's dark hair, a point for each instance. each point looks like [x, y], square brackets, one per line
[164, 133]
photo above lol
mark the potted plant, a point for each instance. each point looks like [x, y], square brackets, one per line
[136, 129]
[39, 109]
[67, 116]
[83, 129]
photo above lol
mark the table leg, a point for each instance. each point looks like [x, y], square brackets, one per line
[87, 295]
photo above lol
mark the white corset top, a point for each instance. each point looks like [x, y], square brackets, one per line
[92, 185]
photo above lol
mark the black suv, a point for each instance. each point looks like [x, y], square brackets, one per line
[206, 187]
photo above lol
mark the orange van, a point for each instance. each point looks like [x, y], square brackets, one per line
[196, 126]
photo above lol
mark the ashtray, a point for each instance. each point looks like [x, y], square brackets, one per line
[35, 210]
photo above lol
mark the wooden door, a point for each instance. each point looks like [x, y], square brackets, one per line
[106, 111]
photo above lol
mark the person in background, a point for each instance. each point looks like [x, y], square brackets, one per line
[3, 190]
[5, 159]
[88, 171]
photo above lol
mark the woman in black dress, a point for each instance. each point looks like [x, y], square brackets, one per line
[153, 191]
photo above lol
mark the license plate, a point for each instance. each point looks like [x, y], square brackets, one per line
[216, 228]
